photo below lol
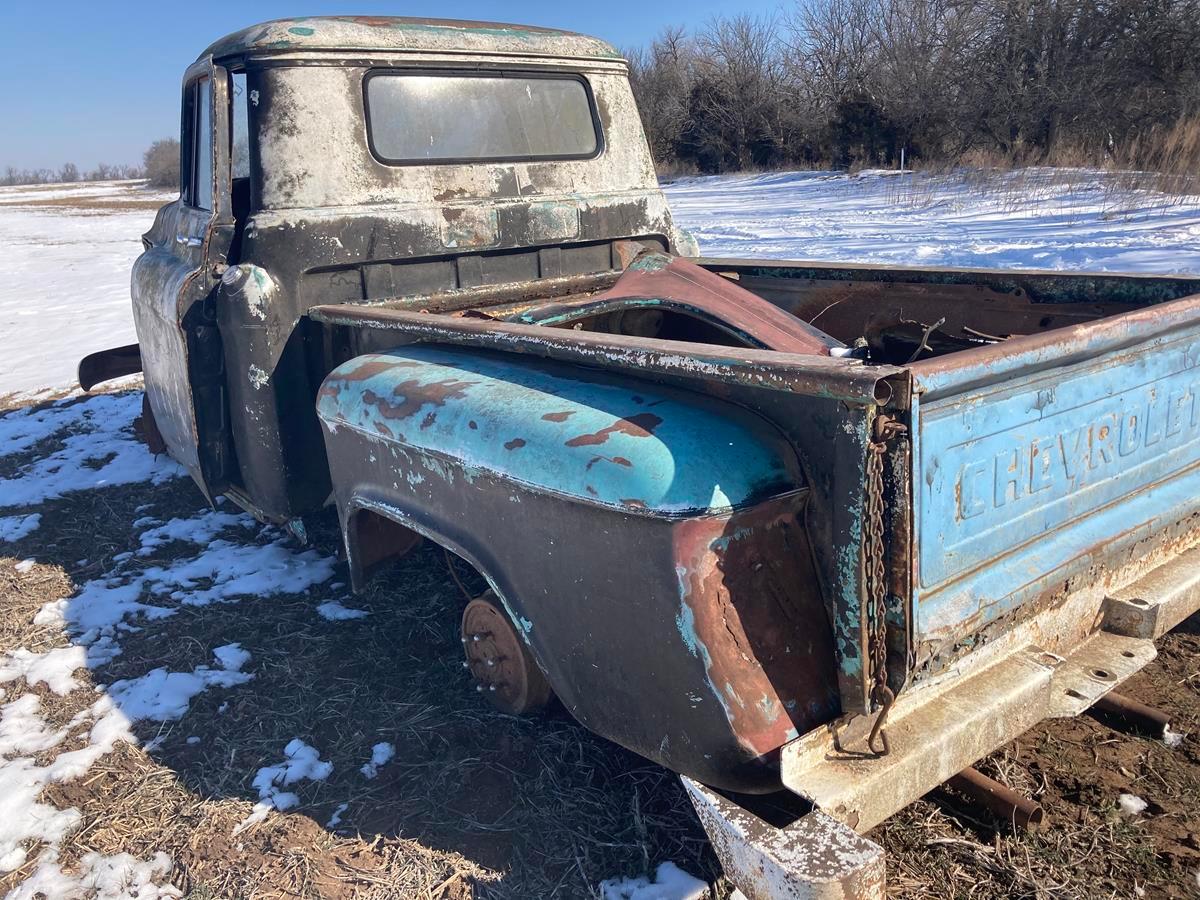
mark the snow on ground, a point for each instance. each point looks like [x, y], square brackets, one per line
[226, 557]
[13, 528]
[669, 883]
[98, 449]
[334, 611]
[1027, 219]
[381, 755]
[300, 761]
[64, 277]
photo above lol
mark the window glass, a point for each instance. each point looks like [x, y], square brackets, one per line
[418, 117]
[202, 167]
[240, 151]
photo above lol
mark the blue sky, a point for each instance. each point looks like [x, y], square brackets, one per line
[90, 82]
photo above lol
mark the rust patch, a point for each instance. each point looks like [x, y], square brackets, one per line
[452, 215]
[450, 194]
[370, 21]
[428, 421]
[472, 425]
[754, 607]
[633, 503]
[618, 460]
[640, 425]
[558, 416]
[374, 367]
[514, 444]
[415, 395]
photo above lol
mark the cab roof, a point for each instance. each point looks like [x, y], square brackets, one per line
[392, 34]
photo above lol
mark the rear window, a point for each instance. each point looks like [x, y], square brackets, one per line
[432, 117]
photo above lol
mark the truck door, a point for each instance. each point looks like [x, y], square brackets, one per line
[174, 284]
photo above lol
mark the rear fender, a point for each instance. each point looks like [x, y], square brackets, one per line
[648, 543]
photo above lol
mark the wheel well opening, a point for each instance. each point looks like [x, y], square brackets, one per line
[375, 542]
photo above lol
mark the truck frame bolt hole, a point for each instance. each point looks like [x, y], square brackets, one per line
[1101, 673]
[1128, 654]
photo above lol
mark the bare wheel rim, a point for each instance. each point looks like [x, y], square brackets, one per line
[499, 661]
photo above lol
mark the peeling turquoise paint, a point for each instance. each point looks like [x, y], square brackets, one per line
[640, 448]
[651, 262]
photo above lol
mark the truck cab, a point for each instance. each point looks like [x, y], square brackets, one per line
[354, 160]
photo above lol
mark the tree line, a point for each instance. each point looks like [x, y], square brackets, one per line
[159, 167]
[855, 82]
[69, 172]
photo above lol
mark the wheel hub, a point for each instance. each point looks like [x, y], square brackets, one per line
[499, 661]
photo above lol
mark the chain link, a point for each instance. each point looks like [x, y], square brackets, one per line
[884, 429]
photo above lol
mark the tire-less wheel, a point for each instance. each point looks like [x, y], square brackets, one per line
[499, 661]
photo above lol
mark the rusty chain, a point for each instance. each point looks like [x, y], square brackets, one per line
[884, 429]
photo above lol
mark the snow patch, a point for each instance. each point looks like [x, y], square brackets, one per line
[336, 819]
[335, 612]
[1131, 804]
[161, 696]
[199, 529]
[381, 755]
[670, 883]
[13, 528]
[1025, 219]
[98, 449]
[54, 668]
[232, 657]
[119, 877]
[300, 762]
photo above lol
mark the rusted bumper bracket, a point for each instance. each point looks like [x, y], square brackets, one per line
[814, 858]
[938, 733]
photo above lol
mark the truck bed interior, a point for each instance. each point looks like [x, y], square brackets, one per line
[887, 316]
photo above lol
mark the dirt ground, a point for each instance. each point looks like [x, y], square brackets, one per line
[480, 804]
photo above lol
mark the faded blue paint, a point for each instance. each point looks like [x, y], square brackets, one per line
[637, 447]
[651, 262]
[1044, 472]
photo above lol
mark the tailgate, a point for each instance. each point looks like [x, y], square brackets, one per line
[1045, 457]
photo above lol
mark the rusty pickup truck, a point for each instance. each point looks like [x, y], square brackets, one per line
[828, 529]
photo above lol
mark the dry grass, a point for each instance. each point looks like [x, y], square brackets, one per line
[1158, 170]
[89, 205]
